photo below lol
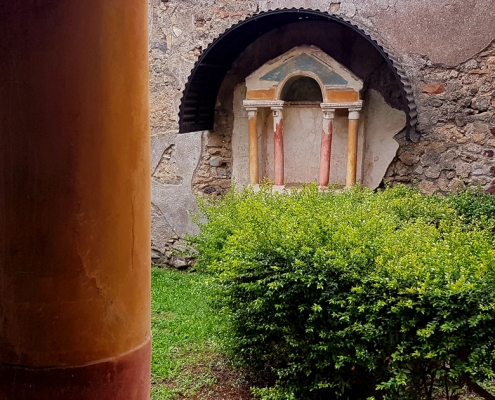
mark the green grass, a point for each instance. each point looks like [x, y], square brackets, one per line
[185, 331]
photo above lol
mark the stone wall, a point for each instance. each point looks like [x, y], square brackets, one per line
[456, 107]
[445, 46]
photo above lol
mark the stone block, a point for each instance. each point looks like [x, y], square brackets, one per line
[214, 150]
[216, 161]
[478, 172]
[409, 158]
[427, 187]
[470, 65]
[447, 165]
[456, 185]
[463, 169]
[443, 185]
[178, 262]
[222, 172]
[429, 159]
[434, 89]
[419, 170]
[481, 103]
[473, 148]
[215, 140]
[448, 156]
[480, 180]
[432, 172]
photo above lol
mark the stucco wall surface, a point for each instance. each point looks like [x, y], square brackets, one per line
[446, 47]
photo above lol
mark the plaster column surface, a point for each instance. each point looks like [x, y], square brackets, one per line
[326, 147]
[278, 140]
[352, 147]
[253, 146]
[74, 200]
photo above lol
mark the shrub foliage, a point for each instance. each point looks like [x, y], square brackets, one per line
[354, 295]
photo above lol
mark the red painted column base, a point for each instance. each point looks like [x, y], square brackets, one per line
[325, 155]
[122, 378]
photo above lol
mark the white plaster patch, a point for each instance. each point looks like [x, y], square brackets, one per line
[176, 201]
[240, 139]
[382, 123]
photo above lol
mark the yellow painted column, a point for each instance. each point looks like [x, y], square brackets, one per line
[253, 147]
[74, 200]
[352, 147]
[278, 141]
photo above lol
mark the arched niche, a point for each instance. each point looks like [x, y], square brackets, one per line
[301, 88]
[312, 104]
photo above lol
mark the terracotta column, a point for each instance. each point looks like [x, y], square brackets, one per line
[74, 200]
[326, 147]
[352, 147]
[278, 140]
[253, 147]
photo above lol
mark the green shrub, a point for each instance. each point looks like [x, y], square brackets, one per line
[474, 204]
[352, 295]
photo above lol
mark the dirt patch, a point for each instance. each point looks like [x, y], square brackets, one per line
[211, 379]
[230, 385]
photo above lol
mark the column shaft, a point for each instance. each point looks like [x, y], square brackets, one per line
[352, 146]
[253, 147]
[278, 140]
[326, 147]
[74, 200]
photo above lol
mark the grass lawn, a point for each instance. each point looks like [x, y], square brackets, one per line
[187, 362]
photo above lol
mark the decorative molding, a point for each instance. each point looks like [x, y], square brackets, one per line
[263, 103]
[353, 105]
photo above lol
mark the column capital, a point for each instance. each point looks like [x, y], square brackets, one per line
[277, 111]
[354, 113]
[328, 112]
[252, 111]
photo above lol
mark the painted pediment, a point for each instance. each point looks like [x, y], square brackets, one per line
[307, 61]
[304, 62]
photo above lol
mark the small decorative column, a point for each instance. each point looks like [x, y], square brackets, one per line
[278, 140]
[326, 146]
[352, 143]
[253, 146]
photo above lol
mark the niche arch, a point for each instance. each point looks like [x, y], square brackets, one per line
[301, 87]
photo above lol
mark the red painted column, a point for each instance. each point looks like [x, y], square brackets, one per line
[278, 140]
[326, 147]
[74, 200]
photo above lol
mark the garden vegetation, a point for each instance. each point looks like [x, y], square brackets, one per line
[355, 295]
